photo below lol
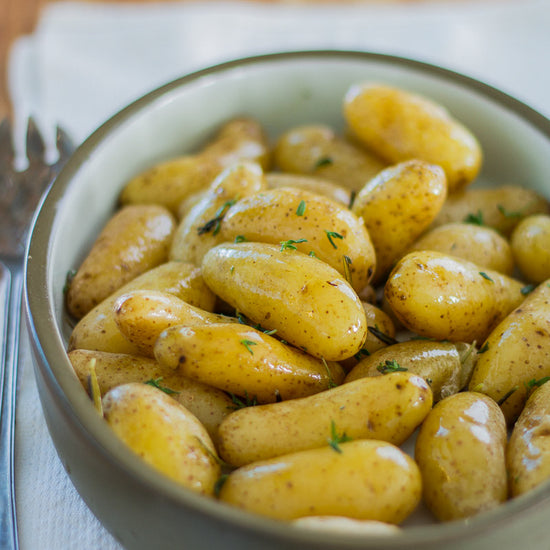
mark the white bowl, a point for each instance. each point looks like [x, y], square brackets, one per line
[140, 507]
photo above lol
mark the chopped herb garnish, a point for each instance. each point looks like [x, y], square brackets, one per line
[232, 269]
[335, 438]
[291, 244]
[507, 213]
[484, 348]
[485, 276]
[476, 219]
[352, 196]
[527, 289]
[347, 273]
[240, 239]
[155, 382]
[533, 383]
[247, 344]
[390, 365]
[382, 336]
[215, 223]
[331, 382]
[333, 235]
[507, 395]
[363, 352]
[312, 254]
[323, 161]
[240, 404]
[300, 211]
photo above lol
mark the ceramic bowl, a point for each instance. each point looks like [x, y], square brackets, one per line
[141, 508]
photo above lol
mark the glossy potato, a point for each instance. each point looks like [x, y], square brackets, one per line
[317, 150]
[98, 330]
[479, 244]
[387, 408]
[445, 366]
[516, 352]
[530, 242]
[208, 404]
[447, 298]
[528, 451]
[136, 239]
[304, 299]
[397, 206]
[328, 229]
[244, 361]
[363, 479]
[399, 125]
[164, 434]
[460, 451]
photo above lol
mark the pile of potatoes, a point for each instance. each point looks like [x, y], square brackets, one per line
[268, 323]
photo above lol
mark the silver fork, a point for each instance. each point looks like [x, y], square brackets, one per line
[20, 192]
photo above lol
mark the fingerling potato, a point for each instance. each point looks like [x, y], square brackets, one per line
[530, 242]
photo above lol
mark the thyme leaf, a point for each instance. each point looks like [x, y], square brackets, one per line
[390, 365]
[333, 235]
[156, 383]
[335, 438]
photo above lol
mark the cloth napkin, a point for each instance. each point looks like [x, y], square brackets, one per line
[86, 61]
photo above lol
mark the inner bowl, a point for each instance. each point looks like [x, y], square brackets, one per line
[140, 507]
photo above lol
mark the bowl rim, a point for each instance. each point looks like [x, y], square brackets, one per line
[77, 406]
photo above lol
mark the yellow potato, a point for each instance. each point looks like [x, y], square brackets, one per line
[200, 228]
[304, 299]
[460, 450]
[317, 150]
[364, 479]
[399, 125]
[170, 182]
[386, 408]
[501, 208]
[445, 366]
[164, 434]
[321, 186]
[330, 230]
[479, 244]
[528, 452]
[447, 298]
[136, 239]
[244, 361]
[141, 315]
[397, 206]
[98, 330]
[515, 353]
[208, 404]
[530, 244]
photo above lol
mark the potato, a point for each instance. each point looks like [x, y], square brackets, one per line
[208, 404]
[515, 353]
[346, 526]
[501, 208]
[317, 150]
[447, 298]
[445, 366]
[136, 239]
[397, 206]
[321, 186]
[98, 330]
[364, 479]
[170, 182]
[164, 433]
[387, 408]
[244, 361]
[528, 452]
[304, 299]
[330, 230]
[479, 244]
[460, 451]
[530, 244]
[200, 229]
[141, 315]
[399, 125]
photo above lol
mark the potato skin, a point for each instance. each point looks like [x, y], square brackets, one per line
[479, 244]
[164, 433]
[387, 408]
[317, 150]
[398, 125]
[397, 206]
[530, 242]
[304, 299]
[528, 451]
[460, 451]
[244, 361]
[208, 404]
[447, 298]
[135, 239]
[98, 330]
[368, 479]
[517, 352]
[272, 217]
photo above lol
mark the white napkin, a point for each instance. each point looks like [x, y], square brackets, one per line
[86, 61]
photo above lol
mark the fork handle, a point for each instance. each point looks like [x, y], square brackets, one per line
[11, 284]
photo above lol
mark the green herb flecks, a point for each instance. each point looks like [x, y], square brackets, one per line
[242, 404]
[214, 224]
[527, 289]
[156, 383]
[240, 239]
[484, 348]
[390, 365]
[382, 336]
[291, 244]
[533, 384]
[508, 213]
[363, 352]
[507, 395]
[475, 219]
[352, 196]
[247, 344]
[323, 161]
[335, 438]
[486, 277]
[331, 382]
[301, 210]
[333, 235]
